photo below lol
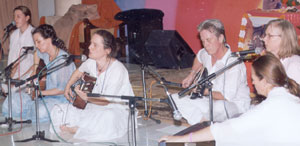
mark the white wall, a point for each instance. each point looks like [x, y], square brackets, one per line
[46, 7]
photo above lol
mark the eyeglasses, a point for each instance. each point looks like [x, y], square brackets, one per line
[270, 35]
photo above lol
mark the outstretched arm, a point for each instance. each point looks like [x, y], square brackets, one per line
[198, 136]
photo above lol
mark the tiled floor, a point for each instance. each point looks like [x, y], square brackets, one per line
[148, 132]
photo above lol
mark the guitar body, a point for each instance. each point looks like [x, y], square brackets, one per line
[86, 84]
[198, 93]
[42, 80]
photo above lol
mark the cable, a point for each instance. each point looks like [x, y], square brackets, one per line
[21, 110]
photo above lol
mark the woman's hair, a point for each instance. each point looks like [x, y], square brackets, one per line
[109, 41]
[47, 31]
[214, 26]
[269, 67]
[289, 40]
[25, 10]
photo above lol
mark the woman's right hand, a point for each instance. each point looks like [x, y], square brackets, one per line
[68, 92]
[188, 80]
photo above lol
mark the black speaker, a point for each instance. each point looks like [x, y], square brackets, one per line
[140, 23]
[168, 50]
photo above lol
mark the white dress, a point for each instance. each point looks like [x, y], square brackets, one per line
[292, 67]
[273, 122]
[95, 122]
[17, 41]
[232, 85]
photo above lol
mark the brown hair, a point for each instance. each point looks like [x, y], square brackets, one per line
[25, 10]
[109, 41]
[47, 31]
[269, 67]
[289, 40]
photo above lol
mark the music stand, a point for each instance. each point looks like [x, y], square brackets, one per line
[206, 83]
[9, 120]
[39, 135]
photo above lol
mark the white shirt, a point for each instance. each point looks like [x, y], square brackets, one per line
[292, 67]
[17, 41]
[275, 121]
[232, 84]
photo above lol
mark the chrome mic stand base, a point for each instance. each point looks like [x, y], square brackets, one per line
[40, 135]
[9, 121]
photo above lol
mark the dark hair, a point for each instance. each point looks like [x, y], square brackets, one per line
[289, 39]
[269, 67]
[109, 41]
[214, 26]
[25, 10]
[47, 31]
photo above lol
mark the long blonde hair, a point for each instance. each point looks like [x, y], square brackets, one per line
[289, 40]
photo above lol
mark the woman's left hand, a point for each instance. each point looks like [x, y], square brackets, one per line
[81, 94]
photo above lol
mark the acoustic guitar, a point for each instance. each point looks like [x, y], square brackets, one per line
[42, 79]
[86, 84]
[198, 93]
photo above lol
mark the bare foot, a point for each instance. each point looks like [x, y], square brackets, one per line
[71, 130]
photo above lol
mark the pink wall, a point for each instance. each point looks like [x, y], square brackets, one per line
[169, 7]
[185, 15]
[189, 15]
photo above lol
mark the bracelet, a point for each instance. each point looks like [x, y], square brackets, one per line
[193, 71]
[36, 64]
[191, 137]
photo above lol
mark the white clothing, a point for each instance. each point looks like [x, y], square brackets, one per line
[17, 41]
[273, 122]
[235, 90]
[95, 122]
[292, 67]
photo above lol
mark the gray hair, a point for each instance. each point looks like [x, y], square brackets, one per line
[214, 26]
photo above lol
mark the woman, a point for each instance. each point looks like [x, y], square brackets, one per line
[275, 121]
[21, 37]
[49, 47]
[103, 118]
[280, 38]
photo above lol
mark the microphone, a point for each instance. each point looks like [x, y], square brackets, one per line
[246, 52]
[164, 81]
[80, 57]
[10, 26]
[27, 48]
[71, 58]
[176, 114]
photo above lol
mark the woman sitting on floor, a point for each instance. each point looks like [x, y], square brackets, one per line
[103, 118]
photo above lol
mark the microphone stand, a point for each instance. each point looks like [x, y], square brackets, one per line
[9, 120]
[40, 135]
[176, 114]
[45, 72]
[132, 105]
[206, 83]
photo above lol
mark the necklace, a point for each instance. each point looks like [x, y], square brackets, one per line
[55, 55]
[105, 76]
